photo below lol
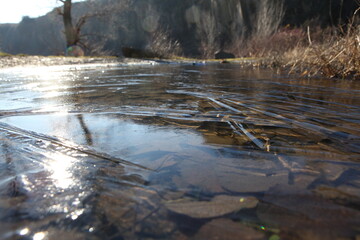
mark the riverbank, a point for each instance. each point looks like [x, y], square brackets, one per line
[310, 52]
[19, 60]
[23, 60]
[337, 59]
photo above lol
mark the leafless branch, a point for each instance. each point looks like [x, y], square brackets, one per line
[59, 11]
[81, 22]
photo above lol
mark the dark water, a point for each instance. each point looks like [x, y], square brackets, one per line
[177, 152]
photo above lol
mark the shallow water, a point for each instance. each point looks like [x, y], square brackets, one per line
[171, 151]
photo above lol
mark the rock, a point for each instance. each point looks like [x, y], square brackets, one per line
[247, 182]
[343, 194]
[223, 55]
[305, 215]
[218, 206]
[139, 53]
[226, 229]
[224, 61]
[75, 51]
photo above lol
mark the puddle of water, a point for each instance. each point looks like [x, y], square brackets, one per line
[177, 152]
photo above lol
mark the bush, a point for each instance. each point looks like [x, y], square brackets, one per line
[277, 44]
[163, 46]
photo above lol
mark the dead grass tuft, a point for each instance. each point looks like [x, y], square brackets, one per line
[336, 56]
[310, 51]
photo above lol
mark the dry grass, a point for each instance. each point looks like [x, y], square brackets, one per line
[326, 52]
[332, 53]
[339, 56]
[311, 51]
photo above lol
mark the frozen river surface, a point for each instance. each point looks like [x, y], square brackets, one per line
[176, 151]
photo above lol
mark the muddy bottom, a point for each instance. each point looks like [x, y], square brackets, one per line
[177, 151]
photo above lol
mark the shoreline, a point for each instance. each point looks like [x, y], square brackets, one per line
[16, 61]
[277, 64]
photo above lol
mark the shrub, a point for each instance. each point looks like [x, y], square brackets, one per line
[162, 45]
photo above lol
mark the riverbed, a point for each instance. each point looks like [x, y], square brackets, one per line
[150, 150]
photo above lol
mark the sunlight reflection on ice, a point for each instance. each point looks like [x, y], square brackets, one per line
[60, 166]
[60, 110]
[39, 236]
[76, 214]
[24, 231]
[46, 83]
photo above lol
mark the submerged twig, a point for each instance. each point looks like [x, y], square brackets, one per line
[235, 125]
[256, 141]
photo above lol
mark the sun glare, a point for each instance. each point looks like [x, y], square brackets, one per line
[49, 83]
[61, 166]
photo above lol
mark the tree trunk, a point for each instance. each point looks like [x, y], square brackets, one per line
[72, 36]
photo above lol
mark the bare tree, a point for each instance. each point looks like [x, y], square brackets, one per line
[91, 41]
[207, 31]
[72, 33]
[269, 17]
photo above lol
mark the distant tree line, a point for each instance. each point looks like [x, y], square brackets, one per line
[193, 27]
